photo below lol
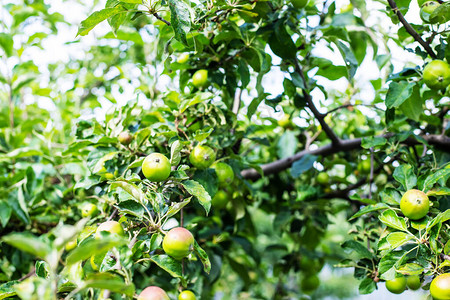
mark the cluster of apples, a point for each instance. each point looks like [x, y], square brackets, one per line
[179, 242]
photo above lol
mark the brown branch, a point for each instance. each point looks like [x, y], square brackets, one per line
[440, 141]
[237, 101]
[31, 273]
[113, 214]
[445, 257]
[349, 106]
[318, 115]
[161, 19]
[411, 30]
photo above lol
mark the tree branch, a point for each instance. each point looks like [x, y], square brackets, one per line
[161, 19]
[237, 101]
[319, 116]
[444, 256]
[411, 30]
[440, 141]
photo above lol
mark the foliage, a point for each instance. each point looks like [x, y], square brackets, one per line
[60, 149]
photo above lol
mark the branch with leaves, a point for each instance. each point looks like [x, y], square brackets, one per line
[277, 166]
[319, 116]
[411, 30]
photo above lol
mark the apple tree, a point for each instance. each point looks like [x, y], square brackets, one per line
[225, 149]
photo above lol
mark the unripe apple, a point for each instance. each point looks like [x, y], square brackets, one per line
[125, 138]
[427, 9]
[112, 227]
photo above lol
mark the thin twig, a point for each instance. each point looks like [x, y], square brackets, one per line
[350, 105]
[31, 273]
[319, 116]
[411, 30]
[161, 19]
[114, 213]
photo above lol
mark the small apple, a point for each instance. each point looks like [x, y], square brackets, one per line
[156, 167]
[112, 227]
[153, 293]
[125, 138]
[200, 78]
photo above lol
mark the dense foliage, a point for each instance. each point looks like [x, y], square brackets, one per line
[229, 148]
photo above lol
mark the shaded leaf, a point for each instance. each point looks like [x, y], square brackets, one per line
[196, 189]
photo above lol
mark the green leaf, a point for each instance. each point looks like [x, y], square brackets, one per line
[42, 269]
[17, 203]
[176, 207]
[349, 58]
[328, 69]
[196, 189]
[6, 42]
[132, 207]
[201, 134]
[390, 219]
[368, 209]
[24, 152]
[443, 191]
[405, 176]
[28, 243]
[175, 155]
[7, 289]
[287, 144]
[208, 179]
[126, 35]
[398, 93]
[441, 14]
[410, 269]
[203, 257]
[180, 19]
[137, 163]
[111, 282]
[5, 213]
[280, 42]
[367, 286]
[397, 239]
[419, 224]
[373, 141]
[413, 106]
[244, 73]
[388, 264]
[93, 247]
[390, 196]
[130, 188]
[76, 147]
[441, 174]
[98, 17]
[34, 288]
[168, 264]
[362, 251]
[302, 165]
[87, 182]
